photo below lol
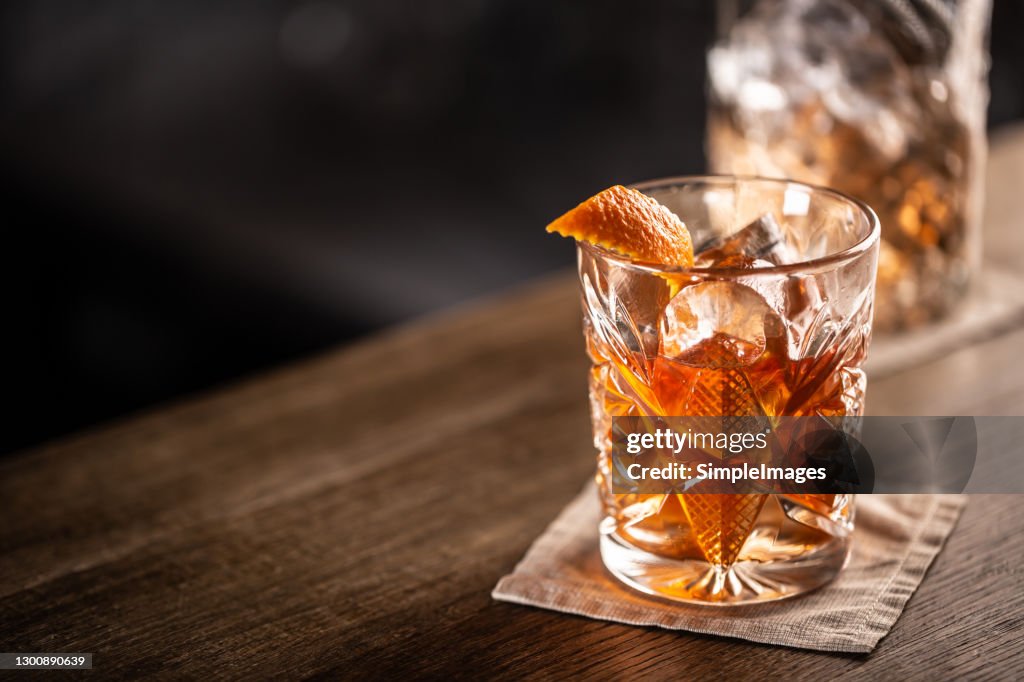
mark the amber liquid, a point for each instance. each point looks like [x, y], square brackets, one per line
[721, 376]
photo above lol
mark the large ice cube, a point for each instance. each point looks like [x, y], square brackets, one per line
[796, 298]
[761, 240]
[718, 324]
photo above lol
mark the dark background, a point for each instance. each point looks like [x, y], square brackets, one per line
[193, 191]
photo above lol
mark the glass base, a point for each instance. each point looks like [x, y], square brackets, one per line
[779, 572]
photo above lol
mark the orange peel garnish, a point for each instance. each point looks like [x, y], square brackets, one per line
[630, 223]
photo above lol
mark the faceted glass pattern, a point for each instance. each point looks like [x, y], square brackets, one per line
[774, 319]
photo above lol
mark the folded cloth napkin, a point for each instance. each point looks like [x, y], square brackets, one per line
[895, 540]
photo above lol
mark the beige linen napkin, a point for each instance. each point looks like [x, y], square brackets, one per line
[896, 538]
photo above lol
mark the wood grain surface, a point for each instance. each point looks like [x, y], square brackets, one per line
[347, 517]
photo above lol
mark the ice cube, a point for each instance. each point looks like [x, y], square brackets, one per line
[798, 299]
[719, 324]
[762, 244]
[762, 240]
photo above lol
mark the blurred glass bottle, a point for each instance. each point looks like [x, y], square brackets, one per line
[881, 99]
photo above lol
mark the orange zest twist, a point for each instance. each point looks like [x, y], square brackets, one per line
[630, 223]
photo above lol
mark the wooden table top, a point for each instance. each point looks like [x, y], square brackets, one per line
[350, 514]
